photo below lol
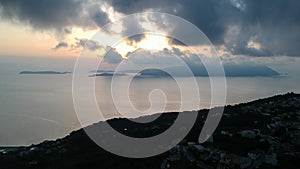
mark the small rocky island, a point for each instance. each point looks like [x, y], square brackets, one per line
[43, 73]
[260, 134]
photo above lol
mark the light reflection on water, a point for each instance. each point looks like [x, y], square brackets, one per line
[38, 107]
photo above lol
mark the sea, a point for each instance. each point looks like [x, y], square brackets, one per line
[39, 107]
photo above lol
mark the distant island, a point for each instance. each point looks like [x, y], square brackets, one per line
[230, 70]
[43, 72]
[197, 70]
[261, 134]
[108, 74]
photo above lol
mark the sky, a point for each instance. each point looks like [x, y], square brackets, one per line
[237, 28]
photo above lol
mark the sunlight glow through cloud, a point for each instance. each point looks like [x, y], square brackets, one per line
[154, 42]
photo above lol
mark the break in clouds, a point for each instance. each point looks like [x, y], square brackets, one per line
[243, 27]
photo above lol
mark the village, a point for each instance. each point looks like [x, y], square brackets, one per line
[280, 138]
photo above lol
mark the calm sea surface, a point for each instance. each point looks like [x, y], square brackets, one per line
[38, 107]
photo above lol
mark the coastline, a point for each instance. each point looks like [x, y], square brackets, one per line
[239, 133]
[154, 114]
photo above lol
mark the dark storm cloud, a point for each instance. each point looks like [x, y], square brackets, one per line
[203, 13]
[273, 24]
[98, 16]
[53, 14]
[88, 44]
[131, 27]
[60, 45]
[112, 56]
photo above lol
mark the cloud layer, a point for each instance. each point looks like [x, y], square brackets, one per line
[272, 26]
[244, 27]
[54, 15]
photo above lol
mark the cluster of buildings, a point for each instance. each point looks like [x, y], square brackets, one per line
[213, 158]
[46, 148]
[281, 134]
